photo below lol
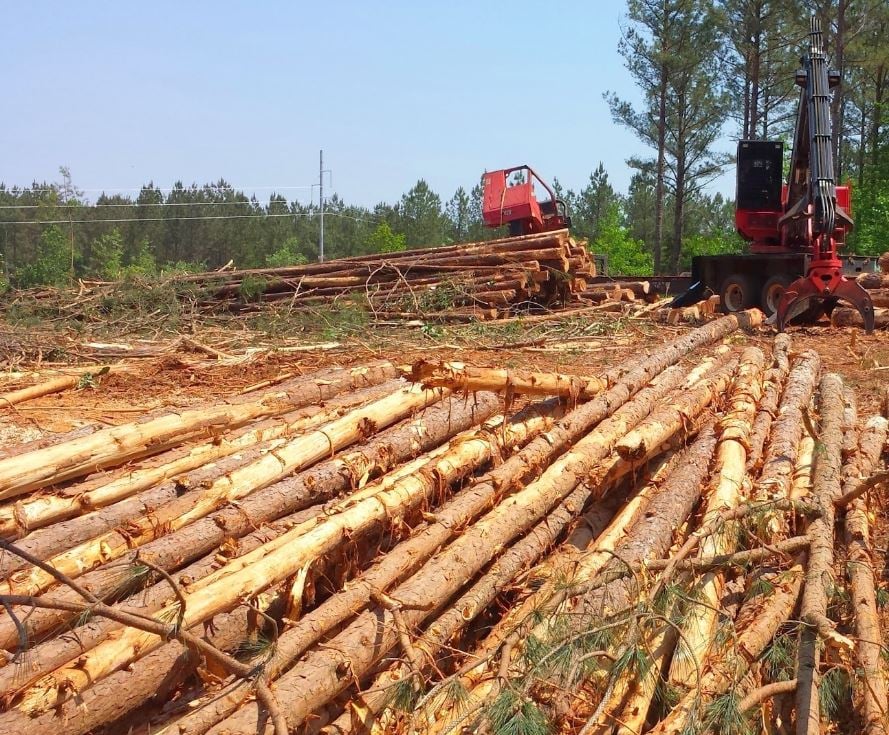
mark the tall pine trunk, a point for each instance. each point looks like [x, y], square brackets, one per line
[837, 104]
[678, 211]
[661, 166]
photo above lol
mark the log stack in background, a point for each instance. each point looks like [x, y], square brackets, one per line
[877, 285]
[476, 279]
[393, 556]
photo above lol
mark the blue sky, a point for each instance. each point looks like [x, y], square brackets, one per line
[124, 93]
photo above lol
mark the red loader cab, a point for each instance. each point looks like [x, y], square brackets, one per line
[516, 205]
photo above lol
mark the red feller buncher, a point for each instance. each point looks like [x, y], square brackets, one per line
[794, 228]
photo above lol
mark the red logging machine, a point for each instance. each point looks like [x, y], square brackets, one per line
[515, 205]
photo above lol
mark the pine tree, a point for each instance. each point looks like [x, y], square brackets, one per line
[594, 202]
[420, 217]
[648, 48]
[457, 210]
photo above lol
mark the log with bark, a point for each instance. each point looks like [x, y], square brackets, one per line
[156, 474]
[460, 377]
[120, 444]
[521, 568]
[284, 556]
[314, 681]
[729, 487]
[873, 280]
[329, 479]
[292, 456]
[870, 680]
[544, 268]
[818, 630]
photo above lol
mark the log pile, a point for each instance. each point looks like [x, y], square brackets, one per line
[464, 549]
[877, 285]
[476, 280]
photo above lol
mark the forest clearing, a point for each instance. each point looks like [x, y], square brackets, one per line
[601, 453]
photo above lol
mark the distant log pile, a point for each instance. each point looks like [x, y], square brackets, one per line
[477, 278]
[877, 285]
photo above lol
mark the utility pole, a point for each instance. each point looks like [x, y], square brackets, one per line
[321, 203]
[321, 172]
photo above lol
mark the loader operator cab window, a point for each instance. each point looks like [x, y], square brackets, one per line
[760, 170]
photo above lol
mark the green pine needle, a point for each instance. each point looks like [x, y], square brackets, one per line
[761, 587]
[512, 714]
[258, 645]
[457, 694]
[724, 716]
[404, 694]
[835, 692]
[666, 695]
[780, 657]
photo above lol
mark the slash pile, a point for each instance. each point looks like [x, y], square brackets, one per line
[457, 549]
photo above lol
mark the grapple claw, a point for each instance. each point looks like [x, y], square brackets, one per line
[804, 295]
[852, 293]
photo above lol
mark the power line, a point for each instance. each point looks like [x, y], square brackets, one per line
[79, 205]
[228, 187]
[178, 219]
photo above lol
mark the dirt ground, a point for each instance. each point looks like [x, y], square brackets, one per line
[179, 376]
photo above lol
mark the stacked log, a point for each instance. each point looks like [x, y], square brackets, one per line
[877, 285]
[542, 269]
[418, 557]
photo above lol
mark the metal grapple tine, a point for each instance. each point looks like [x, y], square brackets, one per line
[852, 293]
[800, 295]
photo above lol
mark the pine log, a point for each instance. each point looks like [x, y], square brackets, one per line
[64, 649]
[372, 703]
[399, 563]
[273, 562]
[766, 615]
[729, 485]
[461, 377]
[120, 444]
[331, 478]
[22, 517]
[883, 262]
[670, 418]
[851, 431]
[650, 536]
[54, 652]
[873, 280]
[870, 679]
[773, 386]
[801, 482]
[784, 439]
[16, 450]
[296, 454]
[314, 681]
[125, 691]
[844, 317]
[48, 387]
[827, 479]
[404, 559]
[880, 298]
[579, 568]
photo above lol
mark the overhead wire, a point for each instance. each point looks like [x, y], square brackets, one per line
[104, 189]
[179, 219]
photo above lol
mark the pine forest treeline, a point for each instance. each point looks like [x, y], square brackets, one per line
[707, 73]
